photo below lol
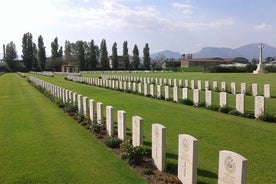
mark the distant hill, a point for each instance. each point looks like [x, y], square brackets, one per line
[166, 54]
[249, 51]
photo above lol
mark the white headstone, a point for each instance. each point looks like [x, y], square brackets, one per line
[152, 90]
[240, 103]
[267, 90]
[185, 93]
[215, 85]
[175, 94]
[137, 131]
[167, 92]
[223, 99]
[159, 88]
[99, 112]
[199, 84]
[259, 106]
[232, 168]
[92, 109]
[145, 89]
[192, 84]
[254, 89]
[223, 86]
[80, 109]
[186, 83]
[85, 105]
[208, 98]
[243, 88]
[187, 158]
[196, 96]
[140, 88]
[121, 116]
[109, 120]
[207, 85]
[233, 87]
[158, 150]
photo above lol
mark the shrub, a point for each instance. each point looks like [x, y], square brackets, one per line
[60, 103]
[148, 171]
[224, 109]
[268, 117]
[213, 107]
[133, 155]
[235, 112]
[70, 108]
[113, 142]
[186, 102]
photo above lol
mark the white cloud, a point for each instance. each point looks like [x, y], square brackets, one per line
[263, 27]
[186, 9]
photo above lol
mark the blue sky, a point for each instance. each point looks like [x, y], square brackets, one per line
[185, 26]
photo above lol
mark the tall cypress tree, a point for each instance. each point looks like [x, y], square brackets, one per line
[147, 57]
[104, 56]
[80, 55]
[92, 56]
[28, 50]
[136, 59]
[41, 52]
[125, 56]
[56, 50]
[114, 57]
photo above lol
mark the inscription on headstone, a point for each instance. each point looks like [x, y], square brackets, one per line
[187, 158]
[158, 150]
[232, 168]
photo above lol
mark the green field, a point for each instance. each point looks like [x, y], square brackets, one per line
[40, 144]
[215, 131]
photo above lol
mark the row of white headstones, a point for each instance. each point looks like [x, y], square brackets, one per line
[259, 103]
[232, 166]
[192, 84]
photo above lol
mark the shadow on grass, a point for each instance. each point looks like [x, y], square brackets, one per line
[207, 174]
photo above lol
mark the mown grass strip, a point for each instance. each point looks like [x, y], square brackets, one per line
[40, 144]
[215, 131]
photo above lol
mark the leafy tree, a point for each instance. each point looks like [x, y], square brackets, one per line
[36, 64]
[28, 55]
[10, 56]
[136, 59]
[269, 59]
[41, 53]
[114, 57]
[125, 56]
[81, 55]
[92, 56]
[104, 56]
[56, 50]
[146, 57]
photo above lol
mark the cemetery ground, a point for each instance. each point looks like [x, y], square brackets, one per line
[215, 131]
[40, 144]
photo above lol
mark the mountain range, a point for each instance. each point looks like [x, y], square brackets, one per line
[248, 51]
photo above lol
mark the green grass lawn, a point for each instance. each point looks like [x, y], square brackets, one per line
[215, 131]
[40, 144]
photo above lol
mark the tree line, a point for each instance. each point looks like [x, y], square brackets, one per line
[87, 55]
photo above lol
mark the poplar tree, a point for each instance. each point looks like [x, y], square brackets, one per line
[136, 59]
[114, 57]
[28, 49]
[104, 56]
[81, 55]
[92, 58]
[56, 50]
[147, 57]
[41, 52]
[125, 56]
